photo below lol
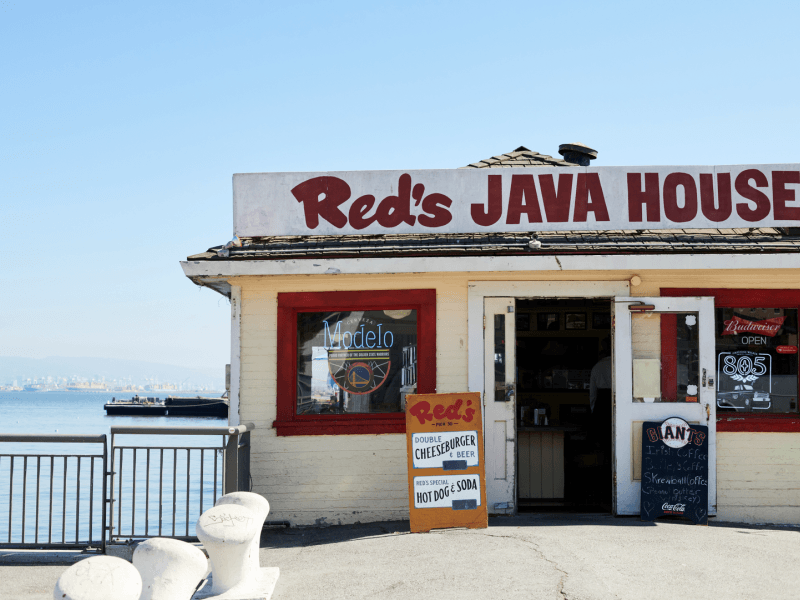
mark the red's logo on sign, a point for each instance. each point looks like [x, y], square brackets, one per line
[322, 197]
[422, 411]
[768, 327]
[786, 349]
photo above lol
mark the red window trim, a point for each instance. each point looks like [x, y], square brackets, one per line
[749, 298]
[289, 304]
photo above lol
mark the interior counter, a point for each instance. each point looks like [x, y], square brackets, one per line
[541, 461]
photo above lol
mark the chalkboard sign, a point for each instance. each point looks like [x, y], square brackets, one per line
[674, 470]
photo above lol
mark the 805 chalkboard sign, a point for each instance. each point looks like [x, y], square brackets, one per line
[674, 470]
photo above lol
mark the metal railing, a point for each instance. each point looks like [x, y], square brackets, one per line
[72, 500]
[44, 489]
[155, 491]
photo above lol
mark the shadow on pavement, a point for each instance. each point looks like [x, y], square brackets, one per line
[35, 558]
[312, 536]
[315, 536]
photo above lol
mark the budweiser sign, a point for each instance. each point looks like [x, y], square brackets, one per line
[769, 327]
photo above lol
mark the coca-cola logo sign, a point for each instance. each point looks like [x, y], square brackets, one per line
[768, 327]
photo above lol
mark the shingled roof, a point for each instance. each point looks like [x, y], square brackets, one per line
[521, 157]
[677, 241]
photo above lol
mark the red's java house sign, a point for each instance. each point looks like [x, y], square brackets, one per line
[536, 199]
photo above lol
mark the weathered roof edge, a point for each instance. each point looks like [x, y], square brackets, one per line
[682, 241]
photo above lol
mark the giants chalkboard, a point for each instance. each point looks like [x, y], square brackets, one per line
[674, 470]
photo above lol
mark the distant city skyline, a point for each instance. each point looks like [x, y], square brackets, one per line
[72, 371]
[52, 384]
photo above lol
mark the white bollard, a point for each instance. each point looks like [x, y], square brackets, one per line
[99, 578]
[259, 506]
[227, 534]
[170, 569]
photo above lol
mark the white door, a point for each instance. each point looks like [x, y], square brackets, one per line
[499, 404]
[663, 367]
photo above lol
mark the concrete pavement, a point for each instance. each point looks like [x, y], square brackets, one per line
[575, 557]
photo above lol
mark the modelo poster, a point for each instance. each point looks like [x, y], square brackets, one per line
[674, 470]
[446, 473]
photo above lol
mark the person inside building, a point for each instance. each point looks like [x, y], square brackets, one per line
[600, 404]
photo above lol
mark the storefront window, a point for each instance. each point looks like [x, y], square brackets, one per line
[665, 352]
[347, 360]
[757, 360]
[355, 361]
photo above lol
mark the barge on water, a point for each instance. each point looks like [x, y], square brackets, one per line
[198, 406]
[136, 406]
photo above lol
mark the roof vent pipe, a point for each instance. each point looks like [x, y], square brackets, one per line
[577, 154]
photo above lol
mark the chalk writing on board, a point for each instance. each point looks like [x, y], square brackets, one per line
[674, 470]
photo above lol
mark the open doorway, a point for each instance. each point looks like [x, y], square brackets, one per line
[564, 418]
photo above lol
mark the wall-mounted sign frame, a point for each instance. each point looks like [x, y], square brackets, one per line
[446, 472]
[516, 199]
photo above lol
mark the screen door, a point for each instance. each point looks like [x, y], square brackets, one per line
[499, 404]
[663, 367]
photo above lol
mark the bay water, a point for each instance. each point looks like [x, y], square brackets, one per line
[152, 503]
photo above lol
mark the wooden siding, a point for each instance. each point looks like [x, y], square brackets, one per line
[758, 477]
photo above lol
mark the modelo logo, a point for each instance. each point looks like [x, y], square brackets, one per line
[677, 508]
[676, 433]
[359, 338]
[422, 411]
[359, 361]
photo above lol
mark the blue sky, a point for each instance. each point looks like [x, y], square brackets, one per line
[123, 123]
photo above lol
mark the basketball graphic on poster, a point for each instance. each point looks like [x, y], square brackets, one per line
[359, 375]
[359, 371]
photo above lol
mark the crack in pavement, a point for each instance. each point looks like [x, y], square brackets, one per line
[561, 593]
[535, 547]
